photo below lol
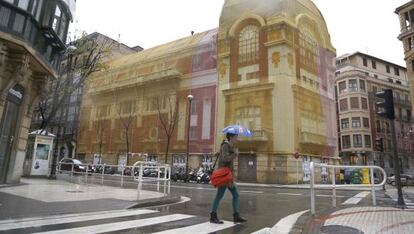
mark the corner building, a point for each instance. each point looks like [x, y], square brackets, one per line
[269, 66]
[276, 76]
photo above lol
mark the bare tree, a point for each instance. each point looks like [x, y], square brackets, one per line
[88, 55]
[126, 112]
[168, 116]
[99, 127]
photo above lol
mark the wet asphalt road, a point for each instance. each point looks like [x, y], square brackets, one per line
[263, 207]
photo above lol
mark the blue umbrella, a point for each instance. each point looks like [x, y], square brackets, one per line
[237, 130]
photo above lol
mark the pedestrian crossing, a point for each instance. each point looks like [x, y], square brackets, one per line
[118, 221]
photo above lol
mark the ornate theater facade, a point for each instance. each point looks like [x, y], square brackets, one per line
[269, 66]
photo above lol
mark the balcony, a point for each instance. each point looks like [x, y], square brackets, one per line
[258, 136]
[25, 27]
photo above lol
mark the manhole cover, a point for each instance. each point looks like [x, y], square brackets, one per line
[335, 229]
[74, 191]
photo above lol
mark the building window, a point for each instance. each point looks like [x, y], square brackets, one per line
[365, 62]
[249, 45]
[250, 117]
[412, 65]
[362, 85]
[367, 141]
[409, 115]
[193, 108]
[193, 133]
[374, 89]
[365, 122]
[374, 64]
[356, 122]
[342, 87]
[346, 142]
[364, 103]
[357, 141]
[343, 105]
[375, 76]
[24, 4]
[387, 67]
[354, 103]
[345, 123]
[353, 85]
[378, 125]
[396, 71]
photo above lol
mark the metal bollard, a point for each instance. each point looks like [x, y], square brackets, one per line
[374, 200]
[333, 177]
[122, 176]
[141, 171]
[103, 173]
[169, 179]
[312, 187]
[158, 178]
[86, 174]
[71, 173]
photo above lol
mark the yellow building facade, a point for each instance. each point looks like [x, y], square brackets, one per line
[269, 66]
[276, 76]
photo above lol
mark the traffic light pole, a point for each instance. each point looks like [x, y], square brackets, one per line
[401, 202]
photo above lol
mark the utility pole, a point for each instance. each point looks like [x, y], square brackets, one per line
[385, 108]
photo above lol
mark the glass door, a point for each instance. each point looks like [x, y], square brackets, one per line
[7, 135]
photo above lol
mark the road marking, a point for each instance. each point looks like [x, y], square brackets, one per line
[36, 222]
[284, 226]
[325, 195]
[206, 227]
[118, 226]
[356, 199]
[290, 194]
[256, 192]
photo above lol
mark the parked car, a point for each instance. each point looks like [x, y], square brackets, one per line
[405, 180]
[107, 170]
[66, 165]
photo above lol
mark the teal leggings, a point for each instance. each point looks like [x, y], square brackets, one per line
[220, 194]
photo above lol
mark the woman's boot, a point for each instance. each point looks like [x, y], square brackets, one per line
[214, 218]
[238, 219]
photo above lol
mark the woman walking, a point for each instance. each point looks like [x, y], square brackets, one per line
[227, 154]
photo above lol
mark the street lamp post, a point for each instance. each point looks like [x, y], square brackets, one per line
[190, 99]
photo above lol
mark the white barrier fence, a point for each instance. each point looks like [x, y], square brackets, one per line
[334, 186]
[139, 173]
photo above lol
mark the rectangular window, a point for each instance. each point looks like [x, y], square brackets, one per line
[388, 68]
[364, 103]
[365, 62]
[410, 43]
[353, 85]
[354, 103]
[345, 123]
[343, 105]
[367, 141]
[412, 65]
[374, 64]
[362, 85]
[396, 71]
[365, 122]
[357, 141]
[193, 133]
[408, 115]
[378, 126]
[374, 89]
[193, 108]
[24, 4]
[346, 142]
[356, 122]
[205, 135]
[342, 87]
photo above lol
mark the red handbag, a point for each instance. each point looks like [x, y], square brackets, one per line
[221, 177]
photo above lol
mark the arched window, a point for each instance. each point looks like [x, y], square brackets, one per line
[249, 45]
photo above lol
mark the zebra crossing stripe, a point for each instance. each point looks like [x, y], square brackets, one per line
[356, 199]
[206, 227]
[118, 226]
[63, 219]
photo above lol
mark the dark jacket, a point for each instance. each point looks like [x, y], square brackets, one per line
[227, 155]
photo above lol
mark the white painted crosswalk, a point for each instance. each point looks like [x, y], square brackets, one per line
[113, 221]
[356, 199]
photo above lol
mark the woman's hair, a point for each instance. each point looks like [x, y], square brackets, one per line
[229, 135]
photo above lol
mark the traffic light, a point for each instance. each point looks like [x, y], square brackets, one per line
[379, 144]
[385, 107]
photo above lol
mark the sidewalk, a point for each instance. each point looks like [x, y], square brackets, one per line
[34, 197]
[365, 220]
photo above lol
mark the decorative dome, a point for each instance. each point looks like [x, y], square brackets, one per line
[273, 11]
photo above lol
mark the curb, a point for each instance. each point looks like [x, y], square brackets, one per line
[170, 199]
[306, 186]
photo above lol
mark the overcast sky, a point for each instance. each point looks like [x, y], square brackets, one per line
[355, 25]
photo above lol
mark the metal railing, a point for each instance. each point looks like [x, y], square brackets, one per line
[126, 174]
[334, 186]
